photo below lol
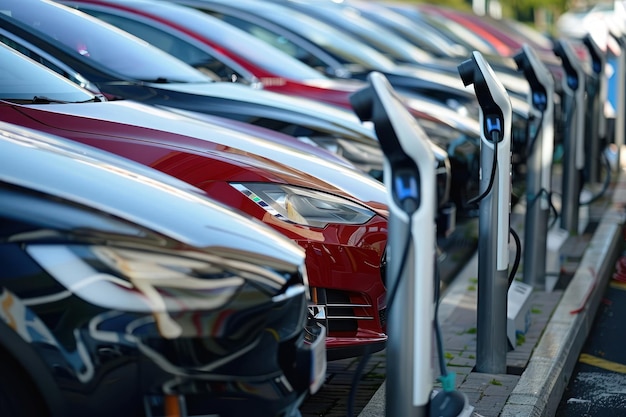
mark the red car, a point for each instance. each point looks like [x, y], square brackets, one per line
[336, 213]
[506, 37]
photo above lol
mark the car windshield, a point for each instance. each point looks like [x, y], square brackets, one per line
[24, 81]
[100, 42]
[351, 21]
[448, 28]
[420, 35]
[235, 40]
[202, 57]
[344, 48]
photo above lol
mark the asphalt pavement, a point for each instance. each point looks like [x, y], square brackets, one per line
[598, 384]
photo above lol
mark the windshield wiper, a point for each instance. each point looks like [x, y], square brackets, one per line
[165, 80]
[162, 80]
[47, 100]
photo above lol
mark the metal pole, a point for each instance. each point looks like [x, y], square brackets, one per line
[570, 179]
[491, 347]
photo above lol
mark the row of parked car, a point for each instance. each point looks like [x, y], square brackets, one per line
[194, 219]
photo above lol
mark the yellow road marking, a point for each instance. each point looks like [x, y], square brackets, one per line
[602, 363]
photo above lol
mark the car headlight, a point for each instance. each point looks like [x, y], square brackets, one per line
[303, 206]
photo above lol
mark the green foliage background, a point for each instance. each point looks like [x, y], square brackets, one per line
[539, 13]
[509, 6]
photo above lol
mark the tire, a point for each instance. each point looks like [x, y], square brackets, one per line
[19, 396]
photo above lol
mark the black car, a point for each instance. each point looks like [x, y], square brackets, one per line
[125, 292]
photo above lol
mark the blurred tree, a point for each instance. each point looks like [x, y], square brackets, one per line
[542, 14]
[455, 4]
[536, 10]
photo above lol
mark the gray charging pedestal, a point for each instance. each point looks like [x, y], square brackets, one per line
[494, 211]
[540, 149]
[573, 138]
[620, 87]
[595, 129]
[410, 178]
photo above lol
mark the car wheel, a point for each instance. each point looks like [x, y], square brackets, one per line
[18, 394]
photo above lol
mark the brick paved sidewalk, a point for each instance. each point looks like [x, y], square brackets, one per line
[332, 399]
[485, 392]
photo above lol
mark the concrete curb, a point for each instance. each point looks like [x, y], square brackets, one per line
[547, 374]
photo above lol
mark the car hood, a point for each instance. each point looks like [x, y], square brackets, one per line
[120, 188]
[342, 120]
[446, 73]
[453, 85]
[341, 85]
[433, 110]
[289, 163]
[262, 133]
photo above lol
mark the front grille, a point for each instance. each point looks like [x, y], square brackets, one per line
[333, 309]
[383, 267]
[382, 316]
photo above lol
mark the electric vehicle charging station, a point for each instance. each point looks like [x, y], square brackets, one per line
[494, 212]
[539, 162]
[595, 123]
[573, 138]
[409, 176]
[620, 87]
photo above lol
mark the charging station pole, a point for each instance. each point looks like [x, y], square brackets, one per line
[620, 105]
[595, 128]
[410, 178]
[494, 211]
[573, 140]
[409, 175]
[539, 162]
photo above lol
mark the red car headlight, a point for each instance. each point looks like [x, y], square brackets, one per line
[304, 206]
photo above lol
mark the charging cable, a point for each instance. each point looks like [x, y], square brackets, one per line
[494, 128]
